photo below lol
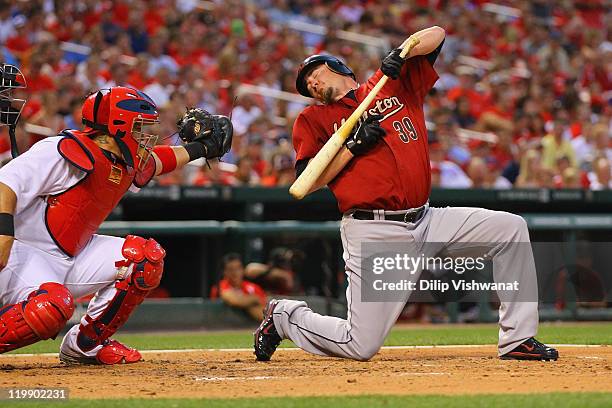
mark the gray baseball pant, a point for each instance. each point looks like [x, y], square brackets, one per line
[363, 332]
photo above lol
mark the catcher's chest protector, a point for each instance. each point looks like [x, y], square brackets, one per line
[73, 216]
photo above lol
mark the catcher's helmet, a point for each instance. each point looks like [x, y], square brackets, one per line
[123, 113]
[311, 63]
[95, 111]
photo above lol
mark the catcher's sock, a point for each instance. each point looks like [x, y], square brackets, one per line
[70, 346]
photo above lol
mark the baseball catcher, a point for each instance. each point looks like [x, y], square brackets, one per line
[53, 199]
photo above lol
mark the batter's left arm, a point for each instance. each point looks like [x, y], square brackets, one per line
[430, 44]
[429, 40]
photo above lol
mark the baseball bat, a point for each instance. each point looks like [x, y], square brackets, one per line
[319, 163]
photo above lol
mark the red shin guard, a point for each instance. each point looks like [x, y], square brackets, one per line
[146, 260]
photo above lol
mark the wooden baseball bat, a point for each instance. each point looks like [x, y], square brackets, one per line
[319, 163]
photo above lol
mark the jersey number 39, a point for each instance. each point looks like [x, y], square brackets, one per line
[405, 129]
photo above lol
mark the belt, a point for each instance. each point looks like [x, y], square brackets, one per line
[411, 216]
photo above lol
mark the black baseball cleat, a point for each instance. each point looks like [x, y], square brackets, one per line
[531, 349]
[266, 338]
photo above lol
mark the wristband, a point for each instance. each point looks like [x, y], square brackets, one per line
[195, 150]
[7, 226]
[166, 156]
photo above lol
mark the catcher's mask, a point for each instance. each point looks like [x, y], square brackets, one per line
[130, 112]
[310, 63]
[11, 78]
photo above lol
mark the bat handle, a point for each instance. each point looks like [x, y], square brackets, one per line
[408, 45]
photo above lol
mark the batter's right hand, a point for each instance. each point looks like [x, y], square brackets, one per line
[6, 243]
[367, 135]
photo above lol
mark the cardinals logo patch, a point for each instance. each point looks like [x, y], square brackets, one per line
[115, 174]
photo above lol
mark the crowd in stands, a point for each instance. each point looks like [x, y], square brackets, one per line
[523, 97]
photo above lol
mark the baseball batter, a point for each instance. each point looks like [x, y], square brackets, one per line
[54, 197]
[381, 179]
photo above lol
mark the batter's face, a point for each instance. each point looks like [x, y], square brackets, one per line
[324, 84]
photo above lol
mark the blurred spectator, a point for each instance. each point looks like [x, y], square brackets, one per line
[581, 282]
[237, 292]
[435, 174]
[531, 169]
[158, 59]
[556, 146]
[547, 68]
[219, 173]
[161, 88]
[483, 176]
[7, 25]
[245, 113]
[276, 275]
[602, 147]
[477, 172]
[245, 175]
[19, 42]
[600, 178]
[450, 174]
[583, 145]
[570, 178]
[37, 80]
[139, 38]
[254, 151]
[282, 173]
[49, 115]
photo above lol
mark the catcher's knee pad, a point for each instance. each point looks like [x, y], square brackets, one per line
[143, 265]
[145, 258]
[41, 316]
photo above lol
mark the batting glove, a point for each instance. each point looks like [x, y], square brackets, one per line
[392, 64]
[367, 135]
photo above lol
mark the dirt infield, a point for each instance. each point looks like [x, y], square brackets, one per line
[219, 374]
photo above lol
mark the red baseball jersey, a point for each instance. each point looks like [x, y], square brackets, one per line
[246, 287]
[394, 175]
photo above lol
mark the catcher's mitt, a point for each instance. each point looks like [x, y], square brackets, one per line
[213, 131]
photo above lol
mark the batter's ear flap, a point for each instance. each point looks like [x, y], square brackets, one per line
[76, 153]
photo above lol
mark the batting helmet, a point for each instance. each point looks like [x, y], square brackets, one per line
[311, 63]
